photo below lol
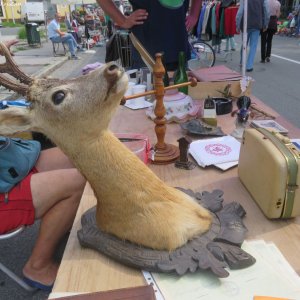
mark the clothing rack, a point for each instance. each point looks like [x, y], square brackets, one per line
[216, 22]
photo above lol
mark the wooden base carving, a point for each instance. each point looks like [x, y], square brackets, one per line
[217, 249]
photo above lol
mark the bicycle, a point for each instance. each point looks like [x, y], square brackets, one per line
[202, 55]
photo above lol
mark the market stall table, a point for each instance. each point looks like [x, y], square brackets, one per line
[85, 270]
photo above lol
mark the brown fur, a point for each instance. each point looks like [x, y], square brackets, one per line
[132, 202]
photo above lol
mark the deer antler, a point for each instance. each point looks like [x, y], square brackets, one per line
[10, 67]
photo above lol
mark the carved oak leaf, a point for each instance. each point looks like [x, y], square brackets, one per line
[232, 228]
[235, 257]
[179, 261]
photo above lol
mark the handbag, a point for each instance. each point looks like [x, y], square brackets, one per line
[293, 23]
[273, 23]
[17, 158]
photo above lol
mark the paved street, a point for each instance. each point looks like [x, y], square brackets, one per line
[7, 31]
[276, 83]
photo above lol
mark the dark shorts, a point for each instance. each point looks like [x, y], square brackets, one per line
[19, 210]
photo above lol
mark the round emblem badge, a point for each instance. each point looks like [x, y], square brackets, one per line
[218, 149]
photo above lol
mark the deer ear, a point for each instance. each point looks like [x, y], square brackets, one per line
[14, 119]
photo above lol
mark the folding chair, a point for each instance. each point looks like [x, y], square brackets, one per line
[56, 50]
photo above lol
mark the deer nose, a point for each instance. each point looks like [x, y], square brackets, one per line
[113, 67]
[112, 72]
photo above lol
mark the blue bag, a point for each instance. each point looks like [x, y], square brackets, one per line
[17, 158]
[19, 103]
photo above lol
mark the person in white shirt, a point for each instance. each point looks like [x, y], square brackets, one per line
[57, 36]
[266, 36]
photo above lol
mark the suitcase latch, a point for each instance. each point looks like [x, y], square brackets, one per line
[292, 187]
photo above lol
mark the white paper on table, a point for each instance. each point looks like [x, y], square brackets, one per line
[227, 165]
[215, 151]
[269, 124]
[269, 252]
[264, 278]
[140, 105]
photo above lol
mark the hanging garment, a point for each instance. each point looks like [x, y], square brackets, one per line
[200, 21]
[213, 21]
[229, 20]
[207, 10]
[208, 30]
[218, 15]
[222, 27]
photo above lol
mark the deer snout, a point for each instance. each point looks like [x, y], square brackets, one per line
[112, 73]
[113, 67]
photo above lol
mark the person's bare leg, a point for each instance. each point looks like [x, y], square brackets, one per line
[56, 196]
[53, 159]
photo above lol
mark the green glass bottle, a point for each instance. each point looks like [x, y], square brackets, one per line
[180, 75]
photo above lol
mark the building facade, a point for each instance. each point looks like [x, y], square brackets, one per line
[10, 10]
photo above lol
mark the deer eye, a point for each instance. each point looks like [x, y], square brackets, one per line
[58, 97]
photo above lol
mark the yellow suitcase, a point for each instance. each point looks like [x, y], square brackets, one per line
[268, 168]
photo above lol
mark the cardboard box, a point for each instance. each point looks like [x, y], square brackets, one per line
[213, 81]
[212, 89]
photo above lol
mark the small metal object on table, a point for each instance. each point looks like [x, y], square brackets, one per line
[183, 162]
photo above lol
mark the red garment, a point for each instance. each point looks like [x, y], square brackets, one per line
[229, 20]
[218, 6]
[19, 210]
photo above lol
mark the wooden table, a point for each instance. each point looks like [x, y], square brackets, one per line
[85, 270]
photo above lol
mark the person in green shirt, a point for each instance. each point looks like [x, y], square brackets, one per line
[158, 26]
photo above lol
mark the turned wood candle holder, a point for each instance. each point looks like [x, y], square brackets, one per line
[163, 153]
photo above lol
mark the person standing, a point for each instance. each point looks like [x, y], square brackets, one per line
[230, 42]
[75, 27]
[257, 19]
[159, 27]
[297, 19]
[267, 36]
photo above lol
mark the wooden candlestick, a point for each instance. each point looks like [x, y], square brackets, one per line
[163, 153]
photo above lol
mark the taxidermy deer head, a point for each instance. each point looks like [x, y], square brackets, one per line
[132, 202]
